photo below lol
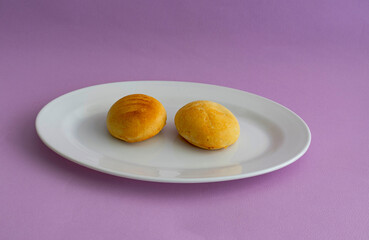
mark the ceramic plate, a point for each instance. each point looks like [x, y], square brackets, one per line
[272, 136]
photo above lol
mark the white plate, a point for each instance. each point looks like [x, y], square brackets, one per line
[272, 136]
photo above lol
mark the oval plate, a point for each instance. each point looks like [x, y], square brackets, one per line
[272, 136]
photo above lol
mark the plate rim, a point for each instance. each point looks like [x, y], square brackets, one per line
[168, 179]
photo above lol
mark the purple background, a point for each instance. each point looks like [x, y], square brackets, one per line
[311, 56]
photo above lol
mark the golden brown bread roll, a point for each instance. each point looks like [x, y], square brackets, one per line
[207, 125]
[136, 117]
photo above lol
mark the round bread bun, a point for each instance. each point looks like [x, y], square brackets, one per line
[207, 125]
[136, 117]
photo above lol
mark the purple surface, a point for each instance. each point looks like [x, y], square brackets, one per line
[311, 56]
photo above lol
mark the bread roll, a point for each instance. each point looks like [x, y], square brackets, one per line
[136, 117]
[207, 125]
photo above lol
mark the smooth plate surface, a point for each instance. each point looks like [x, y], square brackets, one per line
[272, 136]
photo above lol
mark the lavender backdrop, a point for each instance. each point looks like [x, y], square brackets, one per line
[311, 56]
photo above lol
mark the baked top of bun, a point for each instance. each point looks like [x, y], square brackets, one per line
[136, 117]
[207, 125]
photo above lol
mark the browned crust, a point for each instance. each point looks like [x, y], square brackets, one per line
[136, 117]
